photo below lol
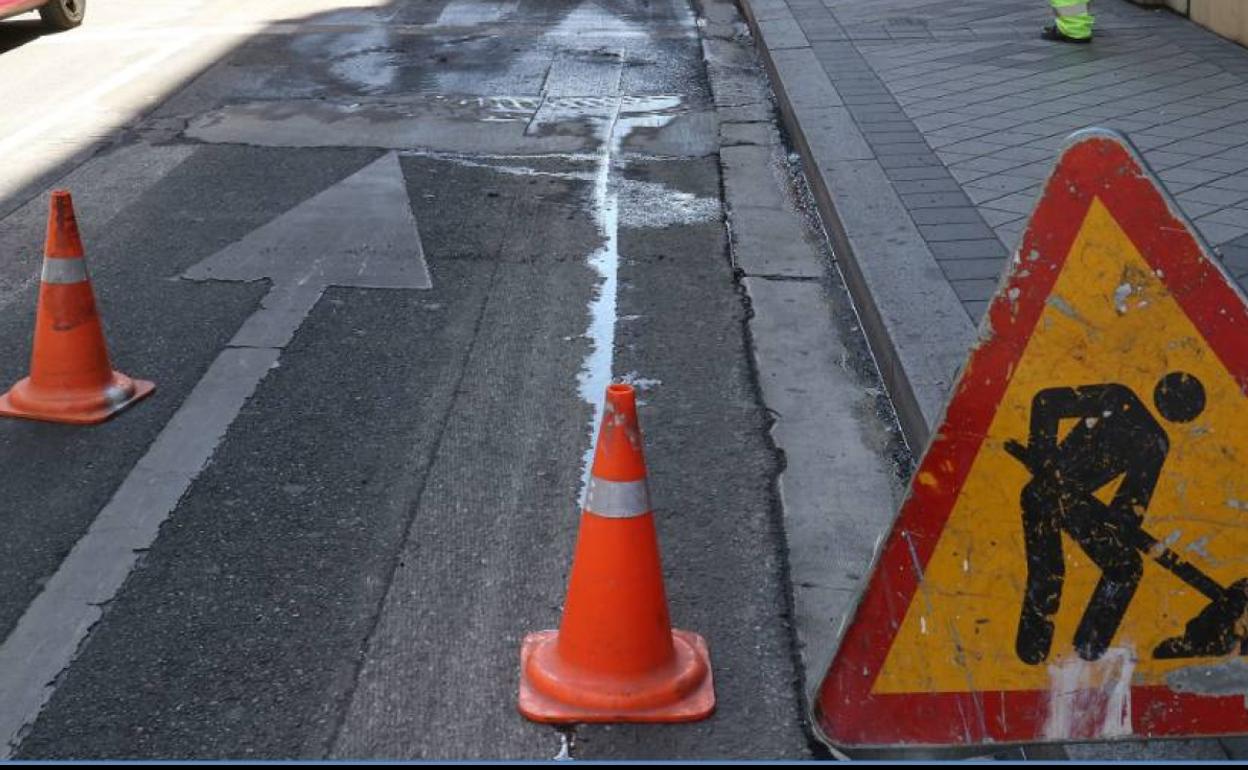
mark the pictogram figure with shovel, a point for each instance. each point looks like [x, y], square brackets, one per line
[1115, 436]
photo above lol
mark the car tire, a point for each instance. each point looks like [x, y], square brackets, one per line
[63, 14]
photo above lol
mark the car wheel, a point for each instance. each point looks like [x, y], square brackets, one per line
[63, 14]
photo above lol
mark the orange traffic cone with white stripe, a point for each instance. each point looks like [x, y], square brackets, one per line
[71, 379]
[615, 657]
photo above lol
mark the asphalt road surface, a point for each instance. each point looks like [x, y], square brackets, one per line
[381, 260]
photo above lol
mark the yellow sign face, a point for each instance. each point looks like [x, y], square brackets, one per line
[1139, 437]
[1071, 561]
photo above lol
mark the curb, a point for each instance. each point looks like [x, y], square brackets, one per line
[917, 327]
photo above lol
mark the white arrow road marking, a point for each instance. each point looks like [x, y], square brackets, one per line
[358, 233]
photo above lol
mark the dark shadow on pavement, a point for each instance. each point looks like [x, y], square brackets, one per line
[15, 34]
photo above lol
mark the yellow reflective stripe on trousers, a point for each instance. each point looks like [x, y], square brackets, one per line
[1079, 9]
[63, 271]
[617, 499]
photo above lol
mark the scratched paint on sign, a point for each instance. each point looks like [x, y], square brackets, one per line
[1071, 562]
[973, 586]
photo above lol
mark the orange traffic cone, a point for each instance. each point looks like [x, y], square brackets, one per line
[71, 379]
[615, 657]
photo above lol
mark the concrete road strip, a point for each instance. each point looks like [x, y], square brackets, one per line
[358, 233]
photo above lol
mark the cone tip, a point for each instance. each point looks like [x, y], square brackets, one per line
[62, 238]
[621, 394]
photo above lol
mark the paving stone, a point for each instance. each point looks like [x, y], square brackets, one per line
[976, 309]
[1238, 152]
[953, 159]
[934, 200]
[1003, 183]
[972, 289]
[1238, 182]
[966, 175]
[743, 166]
[763, 244]
[961, 269]
[891, 125]
[958, 232]
[783, 33]
[1196, 147]
[982, 196]
[976, 147]
[1213, 195]
[981, 249]
[1160, 160]
[891, 137]
[1217, 233]
[991, 165]
[1193, 210]
[747, 113]
[1027, 154]
[945, 184]
[1235, 217]
[952, 134]
[996, 217]
[1011, 235]
[867, 99]
[909, 160]
[946, 216]
[1021, 202]
[820, 27]
[805, 82]
[1225, 165]
[896, 148]
[917, 172]
[1189, 175]
[832, 134]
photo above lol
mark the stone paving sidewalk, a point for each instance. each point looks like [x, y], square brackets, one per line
[954, 114]
[927, 128]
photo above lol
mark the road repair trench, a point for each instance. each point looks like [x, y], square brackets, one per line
[357, 485]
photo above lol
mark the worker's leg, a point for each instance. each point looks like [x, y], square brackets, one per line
[1073, 18]
[1046, 570]
[1121, 568]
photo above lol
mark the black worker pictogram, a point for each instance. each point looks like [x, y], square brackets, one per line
[1115, 438]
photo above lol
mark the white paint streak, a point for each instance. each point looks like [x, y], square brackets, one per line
[639, 382]
[1091, 699]
[565, 749]
[598, 367]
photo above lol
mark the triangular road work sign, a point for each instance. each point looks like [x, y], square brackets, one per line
[1070, 561]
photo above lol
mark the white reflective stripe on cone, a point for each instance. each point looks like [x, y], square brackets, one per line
[61, 271]
[617, 499]
[1072, 10]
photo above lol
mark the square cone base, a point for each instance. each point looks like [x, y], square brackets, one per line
[142, 389]
[539, 707]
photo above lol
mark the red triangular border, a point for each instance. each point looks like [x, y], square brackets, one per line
[1095, 164]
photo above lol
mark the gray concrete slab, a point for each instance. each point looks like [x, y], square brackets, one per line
[837, 489]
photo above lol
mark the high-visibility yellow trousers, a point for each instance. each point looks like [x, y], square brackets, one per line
[1074, 19]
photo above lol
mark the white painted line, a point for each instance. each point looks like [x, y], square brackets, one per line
[47, 637]
[360, 232]
[598, 367]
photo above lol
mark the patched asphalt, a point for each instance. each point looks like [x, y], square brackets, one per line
[395, 507]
